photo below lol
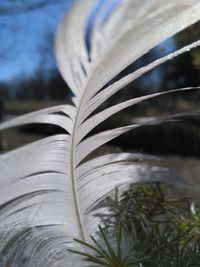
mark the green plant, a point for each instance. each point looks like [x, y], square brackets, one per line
[141, 238]
[51, 186]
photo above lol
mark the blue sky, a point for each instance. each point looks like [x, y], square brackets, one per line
[21, 37]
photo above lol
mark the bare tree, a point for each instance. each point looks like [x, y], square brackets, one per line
[10, 7]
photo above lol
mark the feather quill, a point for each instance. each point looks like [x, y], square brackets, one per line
[48, 188]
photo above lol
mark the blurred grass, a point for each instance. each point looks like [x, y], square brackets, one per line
[147, 109]
[16, 107]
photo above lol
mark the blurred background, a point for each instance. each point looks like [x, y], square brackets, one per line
[29, 80]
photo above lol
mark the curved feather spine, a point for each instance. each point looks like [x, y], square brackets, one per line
[85, 86]
[87, 93]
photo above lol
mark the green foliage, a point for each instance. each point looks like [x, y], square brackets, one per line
[151, 228]
[121, 252]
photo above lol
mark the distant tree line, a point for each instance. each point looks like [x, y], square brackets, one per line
[36, 88]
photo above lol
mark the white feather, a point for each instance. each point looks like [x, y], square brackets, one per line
[47, 191]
